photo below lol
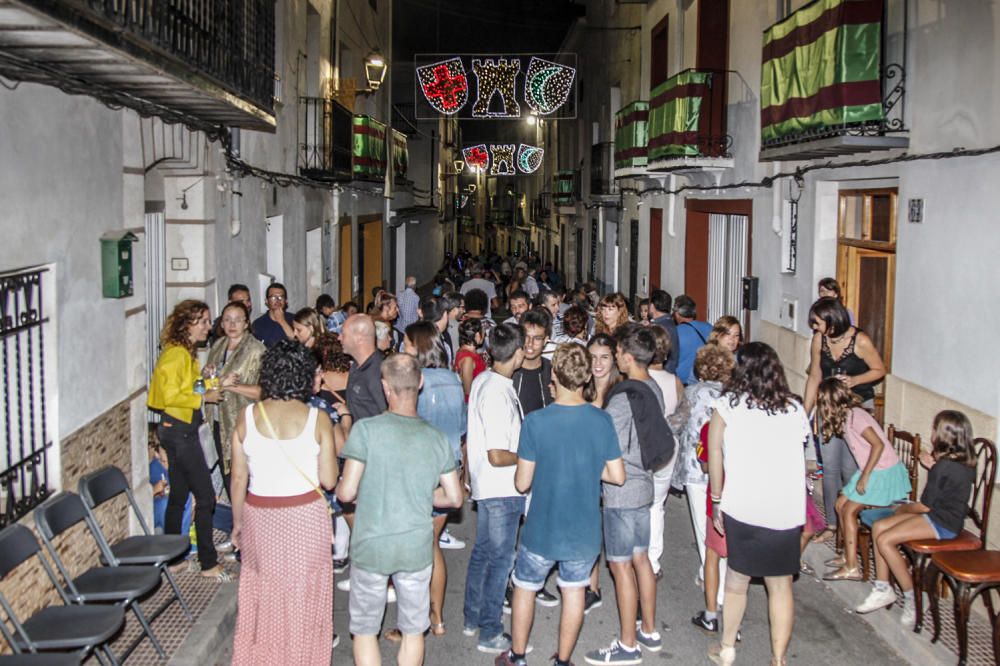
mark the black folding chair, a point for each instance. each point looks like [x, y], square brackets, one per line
[39, 659]
[69, 628]
[146, 549]
[120, 585]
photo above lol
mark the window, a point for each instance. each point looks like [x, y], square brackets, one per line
[27, 373]
[659, 42]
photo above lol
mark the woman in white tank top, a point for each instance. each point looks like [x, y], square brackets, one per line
[283, 451]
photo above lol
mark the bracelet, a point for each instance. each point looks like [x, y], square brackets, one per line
[716, 500]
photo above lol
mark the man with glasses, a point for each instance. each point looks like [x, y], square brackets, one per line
[276, 324]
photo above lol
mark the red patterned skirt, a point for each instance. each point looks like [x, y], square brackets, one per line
[285, 608]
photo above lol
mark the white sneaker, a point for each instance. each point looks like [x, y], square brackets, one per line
[448, 542]
[877, 599]
[909, 616]
[344, 585]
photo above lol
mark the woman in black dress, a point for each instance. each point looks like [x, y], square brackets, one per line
[839, 350]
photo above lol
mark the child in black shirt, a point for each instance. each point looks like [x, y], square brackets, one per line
[940, 513]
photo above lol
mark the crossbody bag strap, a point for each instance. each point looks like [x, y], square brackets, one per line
[274, 436]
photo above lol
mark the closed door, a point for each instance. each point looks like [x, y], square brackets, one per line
[371, 258]
[345, 261]
[655, 246]
[727, 264]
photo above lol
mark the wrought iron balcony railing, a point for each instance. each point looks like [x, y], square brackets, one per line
[688, 119]
[205, 59]
[566, 187]
[602, 168]
[326, 138]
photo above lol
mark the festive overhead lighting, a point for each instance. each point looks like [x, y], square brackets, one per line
[471, 187]
[477, 157]
[375, 68]
[529, 158]
[547, 85]
[503, 154]
[496, 77]
[445, 85]
[459, 165]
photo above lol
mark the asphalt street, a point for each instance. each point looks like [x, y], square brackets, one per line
[825, 631]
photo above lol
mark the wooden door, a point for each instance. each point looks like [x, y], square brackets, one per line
[696, 258]
[866, 268]
[655, 247]
[345, 262]
[633, 261]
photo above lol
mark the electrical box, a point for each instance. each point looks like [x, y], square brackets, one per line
[750, 288]
[116, 264]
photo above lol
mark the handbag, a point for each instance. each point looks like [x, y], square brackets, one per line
[274, 435]
[207, 441]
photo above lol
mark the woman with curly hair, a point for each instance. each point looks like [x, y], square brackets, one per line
[283, 451]
[756, 439]
[727, 332]
[172, 394]
[469, 364]
[612, 313]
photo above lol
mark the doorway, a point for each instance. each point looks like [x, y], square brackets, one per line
[655, 247]
[346, 281]
[717, 256]
[866, 268]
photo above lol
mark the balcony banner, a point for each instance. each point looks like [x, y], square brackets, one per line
[400, 154]
[822, 69]
[562, 186]
[369, 148]
[631, 136]
[675, 113]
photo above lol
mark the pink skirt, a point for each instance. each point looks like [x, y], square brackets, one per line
[715, 541]
[285, 606]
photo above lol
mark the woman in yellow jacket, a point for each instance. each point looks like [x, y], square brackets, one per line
[172, 393]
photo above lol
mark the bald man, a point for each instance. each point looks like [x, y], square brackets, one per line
[365, 397]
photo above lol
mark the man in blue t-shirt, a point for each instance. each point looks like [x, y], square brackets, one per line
[564, 453]
[691, 336]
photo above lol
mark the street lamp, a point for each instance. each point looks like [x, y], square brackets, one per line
[375, 68]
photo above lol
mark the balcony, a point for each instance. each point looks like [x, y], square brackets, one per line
[326, 137]
[825, 89]
[687, 123]
[198, 62]
[369, 155]
[631, 140]
[566, 190]
[541, 209]
[602, 169]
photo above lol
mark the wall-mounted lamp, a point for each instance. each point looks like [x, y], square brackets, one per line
[471, 187]
[459, 165]
[375, 69]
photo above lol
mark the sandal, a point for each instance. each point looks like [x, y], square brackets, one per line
[843, 573]
[392, 635]
[806, 569]
[825, 536]
[724, 655]
[437, 629]
[836, 562]
[220, 576]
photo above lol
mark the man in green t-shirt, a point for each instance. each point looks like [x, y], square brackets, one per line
[408, 468]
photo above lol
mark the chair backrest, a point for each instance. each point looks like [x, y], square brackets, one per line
[59, 513]
[17, 544]
[982, 492]
[105, 484]
[907, 448]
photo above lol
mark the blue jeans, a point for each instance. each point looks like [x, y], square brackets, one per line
[490, 563]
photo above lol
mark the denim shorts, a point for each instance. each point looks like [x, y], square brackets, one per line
[626, 533]
[941, 532]
[531, 570]
[368, 597]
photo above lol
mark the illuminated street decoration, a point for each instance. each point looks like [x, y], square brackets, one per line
[476, 157]
[502, 158]
[492, 86]
[496, 77]
[547, 85]
[445, 85]
[503, 154]
[529, 158]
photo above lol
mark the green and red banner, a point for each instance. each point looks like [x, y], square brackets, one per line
[631, 136]
[822, 69]
[368, 158]
[564, 188]
[675, 114]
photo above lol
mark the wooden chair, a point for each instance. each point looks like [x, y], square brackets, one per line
[921, 551]
[969, 574]
[907, 448]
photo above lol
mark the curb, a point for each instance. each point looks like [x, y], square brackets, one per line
[916, 649]
[212, 633]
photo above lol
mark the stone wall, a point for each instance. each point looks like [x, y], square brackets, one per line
[105, 440]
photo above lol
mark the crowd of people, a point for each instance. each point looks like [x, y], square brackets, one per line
[563, 420]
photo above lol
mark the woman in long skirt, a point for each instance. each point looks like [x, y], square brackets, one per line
[282, 452]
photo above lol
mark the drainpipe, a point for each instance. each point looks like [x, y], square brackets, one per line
[387, 230]
[671, 206]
